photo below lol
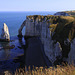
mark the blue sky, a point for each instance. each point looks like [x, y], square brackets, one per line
[37, 5]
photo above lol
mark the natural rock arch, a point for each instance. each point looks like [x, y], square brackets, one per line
[21, 28]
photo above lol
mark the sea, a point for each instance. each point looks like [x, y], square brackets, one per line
[9, 58]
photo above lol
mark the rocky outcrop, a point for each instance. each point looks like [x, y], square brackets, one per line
[55, 32]
[51, 49]
[37, 27]
[33, 27]
[5, 33]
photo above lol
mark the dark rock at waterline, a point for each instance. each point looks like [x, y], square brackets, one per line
[4, 40]
[8, 47]
[20, 36]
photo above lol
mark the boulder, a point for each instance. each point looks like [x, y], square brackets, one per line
[5, 33]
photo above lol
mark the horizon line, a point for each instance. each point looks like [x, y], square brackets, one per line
[36, 11]
[28, 11]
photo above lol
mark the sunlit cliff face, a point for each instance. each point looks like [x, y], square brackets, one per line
[52, 29]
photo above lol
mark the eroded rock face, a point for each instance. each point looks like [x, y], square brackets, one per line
[71, 55]
[42, 29]
[5, 33]
[51, 49]
[55, 46]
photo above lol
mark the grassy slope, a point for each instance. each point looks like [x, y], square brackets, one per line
[64, 29]
[72, 13]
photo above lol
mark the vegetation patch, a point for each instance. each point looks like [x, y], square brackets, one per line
[60, 70]
[72, 13]
[63, 28]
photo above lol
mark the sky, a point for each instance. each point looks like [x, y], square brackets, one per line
[37, 5]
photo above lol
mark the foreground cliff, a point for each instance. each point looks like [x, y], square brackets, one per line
[56, 34]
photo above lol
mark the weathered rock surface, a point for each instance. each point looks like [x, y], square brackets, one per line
[56, 33]
[34, 27]
[5, 33]
[71, 55]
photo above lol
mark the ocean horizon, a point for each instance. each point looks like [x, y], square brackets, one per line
[15, 19]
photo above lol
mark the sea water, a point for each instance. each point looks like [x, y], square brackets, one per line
[13, 20]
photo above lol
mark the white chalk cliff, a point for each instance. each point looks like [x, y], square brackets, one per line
[54, 50]
[5, 33]
[37, 28]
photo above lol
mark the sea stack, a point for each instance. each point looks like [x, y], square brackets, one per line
[5, 33]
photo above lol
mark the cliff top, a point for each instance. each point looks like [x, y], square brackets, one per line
[50, 17]
[58, 25]
[72, 13]
[64, 28]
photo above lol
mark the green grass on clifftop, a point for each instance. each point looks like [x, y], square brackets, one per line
[63, 26]
[72, 13]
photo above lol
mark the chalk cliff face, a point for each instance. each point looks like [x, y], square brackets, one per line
[71, 55]
[5, 33]
[51, 50]
[55, 32]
